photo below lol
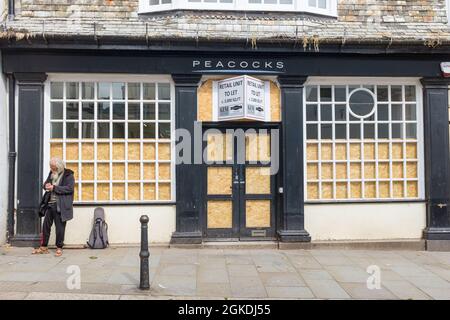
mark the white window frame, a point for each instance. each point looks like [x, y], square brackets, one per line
[239, 5]
[420, 142]
[112, 78]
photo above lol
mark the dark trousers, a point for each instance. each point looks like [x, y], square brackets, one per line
[51, 215]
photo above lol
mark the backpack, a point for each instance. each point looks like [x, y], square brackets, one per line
[98, 238]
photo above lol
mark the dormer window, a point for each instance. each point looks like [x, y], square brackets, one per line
[323, 7]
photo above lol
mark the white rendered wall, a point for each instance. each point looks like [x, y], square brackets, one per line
[383, 221]
[3, 158]
[123, 223]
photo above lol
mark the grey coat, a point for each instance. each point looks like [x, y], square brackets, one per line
[64, 192]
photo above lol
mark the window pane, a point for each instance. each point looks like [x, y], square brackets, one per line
[311, 93]
[88, 130]
[134, 111]
[149, 111]
[164, 111]
[103, 90]
[396, 93]
[361, 103]
[134, 130]
[72, 90]
[270, 1]
[163, 91]
[396, 112]
[383, 131]
[72, 110]
[312, 3]
[134, 91]
[88, 110]
[164, 130]
[340, 112]
[411, 131]
[72, 130]
[325, 113]
[118, 130]
[322, 4]
[355, 131]
[56, 110]
[325, 93]
[341, 131]
[410, 112]
[149, 91]
[383, 93]
[87, 90]
[103, 110]
[285, 1]
[410, 93]
[340, 93]
[118, 89]
[326, 131]
[311, 131]
[311, 113]
[383, 112]
[56, 130]
[119, 110]
[103, 130]
[397, 130]
[369, 131]
[57, 90]
[149, 131]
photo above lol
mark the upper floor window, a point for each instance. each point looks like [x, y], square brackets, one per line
[325, 7]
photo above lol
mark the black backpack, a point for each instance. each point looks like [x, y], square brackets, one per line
[98, 239]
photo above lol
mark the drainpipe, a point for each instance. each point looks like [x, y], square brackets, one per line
[11, 155]
[11, 9]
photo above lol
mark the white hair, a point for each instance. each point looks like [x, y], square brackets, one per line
[58, 163]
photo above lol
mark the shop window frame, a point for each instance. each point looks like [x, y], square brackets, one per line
[114, 78]
[362, 82]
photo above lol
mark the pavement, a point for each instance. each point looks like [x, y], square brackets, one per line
[177, 273]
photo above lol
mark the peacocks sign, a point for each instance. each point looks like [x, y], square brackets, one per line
[242, 97]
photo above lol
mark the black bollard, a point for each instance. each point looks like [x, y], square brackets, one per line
[144, 254]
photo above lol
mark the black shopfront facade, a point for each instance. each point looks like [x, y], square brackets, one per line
[27, 67]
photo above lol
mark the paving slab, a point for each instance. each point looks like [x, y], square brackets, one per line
[361, 291]
[278, 279]
[247, 287]
[290, 292]
[327, 289]
[404, 290]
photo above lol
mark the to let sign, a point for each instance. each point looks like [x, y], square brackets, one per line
[241, 97]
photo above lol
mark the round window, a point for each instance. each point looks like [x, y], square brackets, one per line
[361, 102]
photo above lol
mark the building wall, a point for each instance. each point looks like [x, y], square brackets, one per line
[3, 158]
[123, 224]
[365, 221]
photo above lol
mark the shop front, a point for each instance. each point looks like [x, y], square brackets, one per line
[236, 146]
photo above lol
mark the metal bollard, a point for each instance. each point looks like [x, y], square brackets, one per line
[144, 254]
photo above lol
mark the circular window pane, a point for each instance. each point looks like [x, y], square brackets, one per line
[361, 103]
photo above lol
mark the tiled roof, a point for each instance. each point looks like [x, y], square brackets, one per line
[364, 21]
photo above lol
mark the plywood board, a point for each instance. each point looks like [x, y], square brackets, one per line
[164, 191]
[75, 192]
[412, 189]
[312, 191]
[149, 171]
[87, 151]
[87, 171]
[56, 150]
[341, 190]
[257, 213]
[384, 189]
[355, 170]
[312, 151]
[205, 103]
[397, 151]
[411, 170]
[72, 151]
[103, 151]
[257, 180]
[149, 151]
[164, 151]
[257, 147]
[134, 191]
[134, 171]
[74, 168]
[369, 151]
[103, 171]
[370, 190]
[340, 151]
[355, 151]
[219, 214]
[164, 171]
[118, 172]
[149, 191]
[397, 169]
[275, 102]
[341, 171]
[219, 180]
[326, 151]
[327, 190]
[87, 192]
[215, 147]
[134, 151]
[369, 170]
[118, 191]
[118, 151]
[398, 189]
[312, 171]
[103, 191]
[411, 150]
[356, 190]
[383, 151]
[383, 170]
[327, 171]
